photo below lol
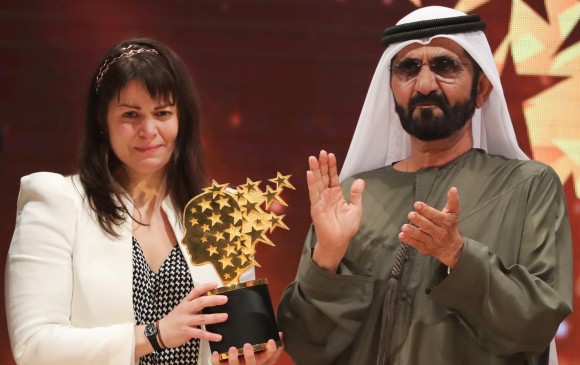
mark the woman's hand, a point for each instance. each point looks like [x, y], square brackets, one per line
[269, 356]
[184, 321]
[335, 220]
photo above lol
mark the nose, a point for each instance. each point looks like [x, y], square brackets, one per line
[148, 127]
[426, 81]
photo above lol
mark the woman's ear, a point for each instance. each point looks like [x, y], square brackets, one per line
[484, 88]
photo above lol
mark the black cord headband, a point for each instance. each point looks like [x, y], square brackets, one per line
[431, 27]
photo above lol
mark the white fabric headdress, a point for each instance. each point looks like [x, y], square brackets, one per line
[379, 139]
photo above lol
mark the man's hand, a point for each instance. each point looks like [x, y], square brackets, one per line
[335, 220]
[435, 233]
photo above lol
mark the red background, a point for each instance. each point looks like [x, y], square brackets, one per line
[278, 80]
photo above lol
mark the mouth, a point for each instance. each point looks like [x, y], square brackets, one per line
[149, 148]
[426, 105]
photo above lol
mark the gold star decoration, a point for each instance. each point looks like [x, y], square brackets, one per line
[224, 225]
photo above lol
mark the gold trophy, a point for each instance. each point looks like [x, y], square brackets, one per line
[222, 228]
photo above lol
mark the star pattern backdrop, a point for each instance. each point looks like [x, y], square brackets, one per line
[278, 81]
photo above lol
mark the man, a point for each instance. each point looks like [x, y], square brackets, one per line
[459, 250]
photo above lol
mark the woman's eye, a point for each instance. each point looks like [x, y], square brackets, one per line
[130, 115]
[164, 114]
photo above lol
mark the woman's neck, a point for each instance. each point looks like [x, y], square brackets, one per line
[147, 193]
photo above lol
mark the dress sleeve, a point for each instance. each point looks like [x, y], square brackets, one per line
[516, 309]
[39, 282]
[320, 312]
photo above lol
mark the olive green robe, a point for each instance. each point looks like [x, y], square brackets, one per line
[501, 304]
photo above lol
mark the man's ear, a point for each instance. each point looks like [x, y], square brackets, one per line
[484, 88]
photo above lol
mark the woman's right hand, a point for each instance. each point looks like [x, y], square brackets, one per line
[185, 320]
[335, 220]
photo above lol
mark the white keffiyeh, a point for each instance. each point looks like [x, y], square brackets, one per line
[379, 139]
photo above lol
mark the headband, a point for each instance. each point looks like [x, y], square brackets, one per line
[127, 52]
[431, 27]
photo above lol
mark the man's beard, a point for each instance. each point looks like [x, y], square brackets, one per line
[431, 127]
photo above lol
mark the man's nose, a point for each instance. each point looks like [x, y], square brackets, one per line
[426, 81]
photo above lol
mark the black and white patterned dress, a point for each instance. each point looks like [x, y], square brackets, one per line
[155, 295]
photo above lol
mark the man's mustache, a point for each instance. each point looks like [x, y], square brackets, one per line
[434, 98]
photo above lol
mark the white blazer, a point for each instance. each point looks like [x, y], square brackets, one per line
[69, 295]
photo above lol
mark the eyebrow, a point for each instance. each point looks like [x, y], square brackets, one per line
[139, 108]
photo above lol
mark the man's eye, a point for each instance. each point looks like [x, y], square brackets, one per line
[410, 66]
[444, 66]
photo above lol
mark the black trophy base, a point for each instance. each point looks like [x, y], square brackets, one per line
[250, 318]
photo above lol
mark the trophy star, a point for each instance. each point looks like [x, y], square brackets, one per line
[214, 218]
[223, 202]
[236, 215]
[240, 194]
[256, 235]
[243, 259]
[203, 239]
[282, 181]
[247, 242]
[193, 221]
[233, 231]
[205, 227]
[229, 249]
[276, 221]
[212, 250]
[267, 241]
[254, 262]
[216, 189]
[226, 276]
[255, 199]
[238, 243]
[219, 236]
[248, 251]
[250, 185]
[226, 261]
[205, 204]
[249, 206]
[270, 196]
[193, 210]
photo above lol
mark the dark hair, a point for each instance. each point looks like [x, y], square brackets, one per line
[167, 78]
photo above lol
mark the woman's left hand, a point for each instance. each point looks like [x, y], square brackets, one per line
[269, 356]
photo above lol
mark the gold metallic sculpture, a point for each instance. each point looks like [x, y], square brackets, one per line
[223, 225]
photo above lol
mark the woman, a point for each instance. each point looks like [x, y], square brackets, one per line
[95, 274]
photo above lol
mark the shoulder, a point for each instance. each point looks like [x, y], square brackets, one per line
[49, 186]
[526, 167]
[523, 169]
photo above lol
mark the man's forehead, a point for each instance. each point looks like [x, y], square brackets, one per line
[436, 46]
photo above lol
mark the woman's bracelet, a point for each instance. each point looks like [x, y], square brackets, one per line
[159, 335]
